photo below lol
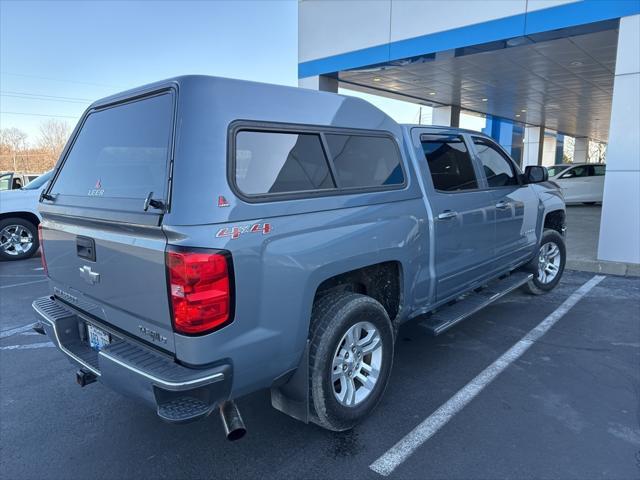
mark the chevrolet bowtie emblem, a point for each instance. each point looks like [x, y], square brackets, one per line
[88, 276]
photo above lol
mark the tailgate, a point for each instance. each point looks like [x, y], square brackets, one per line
[114, 273]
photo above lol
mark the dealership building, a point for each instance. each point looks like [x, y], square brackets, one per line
[538, 71]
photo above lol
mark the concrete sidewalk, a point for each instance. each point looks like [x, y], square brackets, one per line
[583, 230]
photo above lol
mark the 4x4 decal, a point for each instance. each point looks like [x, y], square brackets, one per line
[236, 231]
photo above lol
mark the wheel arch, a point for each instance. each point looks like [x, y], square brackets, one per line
[555, 220]
[24, 215]
[381, 281]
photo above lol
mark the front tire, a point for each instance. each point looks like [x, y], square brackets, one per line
[548, 265]
[18, 239]
[350, 358]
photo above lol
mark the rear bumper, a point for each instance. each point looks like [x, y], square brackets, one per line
[178, 393]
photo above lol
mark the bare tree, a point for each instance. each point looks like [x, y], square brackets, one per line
[15, 141]
[569, 149]
[597, 152]
[53, 137]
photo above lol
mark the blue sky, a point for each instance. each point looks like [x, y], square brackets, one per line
[86, 50]
[56, 57]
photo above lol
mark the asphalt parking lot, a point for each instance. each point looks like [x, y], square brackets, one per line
[568, 407]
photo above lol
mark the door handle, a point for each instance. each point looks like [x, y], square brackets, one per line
[502, 205]
[447, 215]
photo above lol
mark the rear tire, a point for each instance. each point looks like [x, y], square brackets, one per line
[18, 239]
[548, 264]
[350, 359]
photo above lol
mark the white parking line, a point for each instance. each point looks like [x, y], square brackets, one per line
[15, 331]
[23, 283]
[397, 454]
[28, 346]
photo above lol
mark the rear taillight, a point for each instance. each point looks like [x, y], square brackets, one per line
[200, 287]
[42, 257]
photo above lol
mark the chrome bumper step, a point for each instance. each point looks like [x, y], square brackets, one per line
[178, 393]
[183, 410]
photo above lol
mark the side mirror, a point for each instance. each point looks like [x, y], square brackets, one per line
[535, 174]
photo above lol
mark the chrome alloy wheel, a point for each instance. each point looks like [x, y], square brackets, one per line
[549, 259]
[15, 240]
[356, 364]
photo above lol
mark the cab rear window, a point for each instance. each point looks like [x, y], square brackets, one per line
[121, 152]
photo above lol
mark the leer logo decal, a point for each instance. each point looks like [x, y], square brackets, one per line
[235, 232]
[97, 190]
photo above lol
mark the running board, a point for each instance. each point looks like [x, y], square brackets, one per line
[449, 315]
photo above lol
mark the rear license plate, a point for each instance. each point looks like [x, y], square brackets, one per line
[98, 339]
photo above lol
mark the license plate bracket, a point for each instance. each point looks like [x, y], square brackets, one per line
[98, 338]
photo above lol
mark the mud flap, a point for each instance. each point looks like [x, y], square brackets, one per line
[292, 398]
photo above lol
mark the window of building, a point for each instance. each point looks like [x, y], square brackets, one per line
[496, 166]
[280, 162]
[449, 162]
[365, 161]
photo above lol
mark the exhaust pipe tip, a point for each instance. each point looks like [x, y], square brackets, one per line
[234, 428]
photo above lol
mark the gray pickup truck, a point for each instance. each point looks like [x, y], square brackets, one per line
[205, 238]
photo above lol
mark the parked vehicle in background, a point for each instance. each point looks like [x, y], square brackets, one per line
[19, 219]
[581, 183]
[264, 236]
[556, 169]
[15, 181]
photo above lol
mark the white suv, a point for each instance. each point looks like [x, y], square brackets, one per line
[581, 182]
[19, 219]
